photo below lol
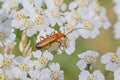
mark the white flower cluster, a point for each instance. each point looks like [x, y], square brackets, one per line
[112, 62]
[45, 18]
[24, 68]
[117, 24]
[87, 61]
[81, 18]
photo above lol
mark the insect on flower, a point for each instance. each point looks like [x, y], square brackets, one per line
[52, 38]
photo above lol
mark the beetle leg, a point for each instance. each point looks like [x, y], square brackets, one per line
[52, 33]
[49, 44]
[64, 42]
[42, 38]
[55, 46]
[60, 45]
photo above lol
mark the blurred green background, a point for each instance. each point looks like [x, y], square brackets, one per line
[104, 43]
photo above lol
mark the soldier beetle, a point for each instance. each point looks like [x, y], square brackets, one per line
[52, 38]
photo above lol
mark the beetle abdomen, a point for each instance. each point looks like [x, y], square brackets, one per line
[38, 46]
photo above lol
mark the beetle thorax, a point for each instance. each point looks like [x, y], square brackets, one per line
[60, 35]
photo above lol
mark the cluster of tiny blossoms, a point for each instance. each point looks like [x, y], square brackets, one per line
[80, 18]
[112, 62]
[43, 17]
[86, 63]
[88, 60]
[24, 68]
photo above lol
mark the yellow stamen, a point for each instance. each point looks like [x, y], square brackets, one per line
[69, 27]
[55, 13]
[2, 35]
[54, 75]
[4, 62]
[58, 2]
[18, 16]
[27, 23]
[90, 59]
[88, 24]
[115, 58]
[22, 66]
[39, 20]
[75, 15]
[91, 77]
[43, 60]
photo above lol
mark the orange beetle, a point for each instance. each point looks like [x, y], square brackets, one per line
[54, 37]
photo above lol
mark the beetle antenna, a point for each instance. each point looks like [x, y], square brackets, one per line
[65, 38]
[74, 30]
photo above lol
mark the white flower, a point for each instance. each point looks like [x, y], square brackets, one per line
[117, 10]
[55, 3]
[101, 12]
[38, 3]
[55, 72]
[116, 1]
[90, 22]
[89, 15]
[18, 19]
[116, 30]
[5, 66]
[23, 21]
[88, 58]
[21, 66]
[86, 75]
[68, 46]
[34, 74]
[117, 74]
[31, 20]
[5, 17]
[18, 73]
[5, 60]
[104, 19]
[72, 16]
[6, 35]
[55, 16]
[27, 4]
[79, 3]
[70, 30]
[48, 3]
[40, 22]
[45, 74]
[5, 74]
[112, 60]
[32, 6]
[117, 24]
[42, 58]
[9, 6]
